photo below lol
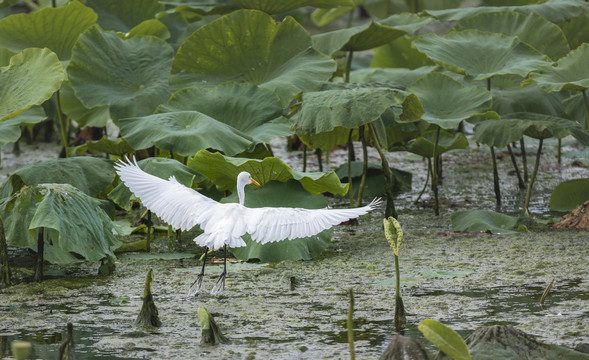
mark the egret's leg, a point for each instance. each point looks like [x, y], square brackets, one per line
[220, 285]
[195, 287]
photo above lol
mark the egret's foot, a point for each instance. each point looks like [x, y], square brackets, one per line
[195, 287]
[220, 285]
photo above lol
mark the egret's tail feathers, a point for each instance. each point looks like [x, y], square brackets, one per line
[216, 241]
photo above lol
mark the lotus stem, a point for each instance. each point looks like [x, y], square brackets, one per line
[350, 157]
[546, 291]
[400, 316]
[351, 325]
[534, 174]
[348, 66]
[364, 166]
[435, 174]
[39, 262]
[559, 153]
[148, 245]
[429, 170]
[304, 157]
[586, 108]
[64, 127]
[522, 145]
[4, 267]
[388, 176]
[520, 181]
[496, 178]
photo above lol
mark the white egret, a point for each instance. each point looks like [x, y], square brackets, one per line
[224, 224]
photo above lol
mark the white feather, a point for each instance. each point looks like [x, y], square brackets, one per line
[224, 224]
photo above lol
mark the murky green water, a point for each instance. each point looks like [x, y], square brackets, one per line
[462, 280]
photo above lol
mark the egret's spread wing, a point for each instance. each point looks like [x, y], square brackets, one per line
[176, 204]
[274, 224]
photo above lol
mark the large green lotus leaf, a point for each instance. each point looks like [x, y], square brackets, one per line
[72, 106]
[5, 56]
[555, 11]
[245, 107]
[568, 195]
[446, 102]
[346, 107]
[357, 38]
[278, 194]
[424, 144]
[162, 168]
[57, 29]
[74, 225]
[151, 27]
[275, 7]
[510, 97]
[445, 339]
[407, 21]
[10, 130]
[570, 72]
[481, 55]
[511, 127]
[131, 76]
[576, 30]
[249, 46]
[399, 54]
[483, 221]
[88, 174]
[104, 145]
[124, 15]
[382, 8]
[223, 170]
[328, 140]
[401, 77]
[183, 133]
[322, 17]
[533, 29]
[30, 78]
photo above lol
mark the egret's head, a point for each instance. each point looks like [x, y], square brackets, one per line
[244, 178]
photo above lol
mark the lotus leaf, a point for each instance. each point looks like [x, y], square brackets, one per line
[446, 339]
[351, 107]
[533, 29]
[88, 174]
[399, 54]
[123, 16]
[245, 107]
[38, 29]
[407, 21]
[275, 7]
[249, 46]
[151, 27]
[131, 76]
[481, 55]
[446, 102]
[570, 194]
[483, 221]
[97, 116]
[568, 73]
[322, 17]
[383, 8]
[279, 194]
[555, 11]
[10, 130]
[576, 30]
[74, 225]
[183, 133]
[357, 38]
[424, 144]
[162, 168]
[223, 170]
[401, 77]
[116, 146]
[32, 76]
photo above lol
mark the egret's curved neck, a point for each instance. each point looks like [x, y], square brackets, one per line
[241, 193]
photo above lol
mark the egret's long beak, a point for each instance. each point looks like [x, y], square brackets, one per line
[255, 182]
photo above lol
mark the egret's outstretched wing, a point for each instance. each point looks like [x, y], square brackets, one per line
[275, 224]
[176, 204]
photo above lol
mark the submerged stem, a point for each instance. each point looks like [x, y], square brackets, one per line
[435, 174]
[400, 315]
[520, 181]
[522, 145]
[429, 170]
[351, 325]
[496, 178]
[534, 174]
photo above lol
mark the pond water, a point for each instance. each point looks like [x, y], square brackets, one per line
[462, 280]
